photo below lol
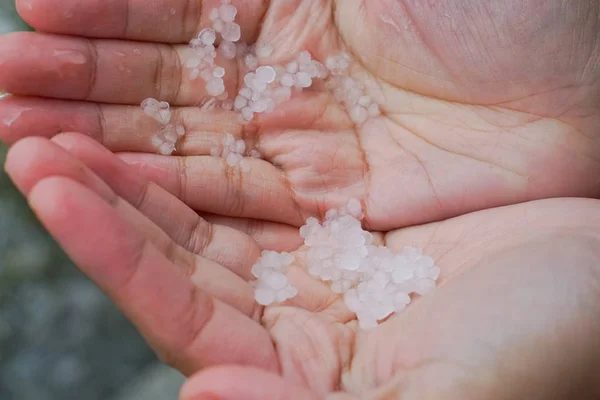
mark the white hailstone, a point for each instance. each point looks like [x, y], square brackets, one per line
[304, 59]
[303, 80]
[227, 49]
[219, 25]
[170, 134]
[249, 79]
[215, 87]
[266, 74]
[219, 72]
[157, 141]
[233, 159]
[207, 36]
[251, 61]
[150, 107]
[240, 146]
[288, 80]
[246, 93]
[292, 67]
[180, 129]
[358, 114]
[207, 74]
[240, 102]
[214, 14]
[259, 106]
[193, 62]
[247, 113]
[166, 148]
[227, 12]
[232, 32]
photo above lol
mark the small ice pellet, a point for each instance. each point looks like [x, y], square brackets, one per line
[207, 36]
[264, 296]
[219, 72]
[150, 107]
[288, 80]
[251, 61]
[247, 113]
[157, 141]
[292, 67]
[240, 102]
[304, 58]
[233, 159]
[358, 114]
[266, 74]
[166, 149]
[215, 87]
[164, 116]
[259, 106]
[214, 14]
[218, 25]
[246, 93]
[227, 12]
[180, 130]
[240, 146]
[303, 79]
[232, 32]
[227, 49]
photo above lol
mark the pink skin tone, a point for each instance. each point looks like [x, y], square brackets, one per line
[489, 125]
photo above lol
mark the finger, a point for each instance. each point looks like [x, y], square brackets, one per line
[127, 128]
[34, 159]
[106, 71]
[268, 235]
[189, 329]
[208, 184]
[171, 21]
[242, 383]
[224, 245]
[119, 128]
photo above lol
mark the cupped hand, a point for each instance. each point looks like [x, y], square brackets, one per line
[515, 315]
[484, 103]
[474, 116]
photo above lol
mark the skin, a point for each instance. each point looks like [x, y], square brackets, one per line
[488, 133]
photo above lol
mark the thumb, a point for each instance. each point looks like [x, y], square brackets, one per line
[242, 383]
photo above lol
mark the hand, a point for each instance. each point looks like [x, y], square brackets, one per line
[515, 315]
[504, 129]
[485, 103]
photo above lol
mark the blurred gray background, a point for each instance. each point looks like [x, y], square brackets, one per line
[60, 337]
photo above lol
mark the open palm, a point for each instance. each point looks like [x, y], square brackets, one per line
[467, 126]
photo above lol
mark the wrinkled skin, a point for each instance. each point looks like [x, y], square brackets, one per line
[489, 108]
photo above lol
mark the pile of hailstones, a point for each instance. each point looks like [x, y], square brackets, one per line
[169, 133]
[233, 151]
[374, 280]
[264, 86]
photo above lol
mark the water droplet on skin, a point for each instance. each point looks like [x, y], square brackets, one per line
[10, 119]
[70, 56]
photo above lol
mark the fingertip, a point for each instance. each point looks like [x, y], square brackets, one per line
[51, 197]
[22, 158]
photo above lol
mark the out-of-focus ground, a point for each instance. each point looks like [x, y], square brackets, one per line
[60, 337]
